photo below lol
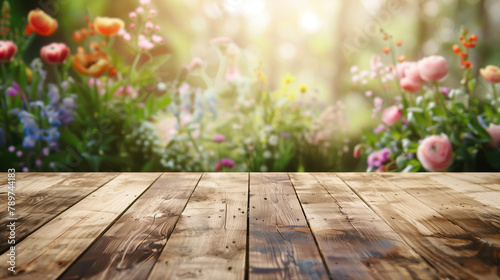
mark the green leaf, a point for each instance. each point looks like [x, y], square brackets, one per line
[478, 130]
[493, 157]
[69, 138]
[409, 146]
[415, 109]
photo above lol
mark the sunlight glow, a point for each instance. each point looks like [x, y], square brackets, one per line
[310, 22]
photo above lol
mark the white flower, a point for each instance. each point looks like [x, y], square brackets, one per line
[162, 86]
[263, 168]
[273, 140]
[247, 141]
[267, 154]
[277, 155]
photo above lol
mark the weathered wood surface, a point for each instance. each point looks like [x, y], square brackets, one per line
[355, 242]
[209, 241]
[47, 252]
[254, 226]
[130, 248]
[41, 197]
[450, 249]
[281, 245]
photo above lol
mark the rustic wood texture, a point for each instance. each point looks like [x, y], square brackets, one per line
[130, 248]
[355, 242]
[453, 251]
[254, 226]
[483, 192]
[209, 241]
[281, 245]
[41, 197]
[47, 252]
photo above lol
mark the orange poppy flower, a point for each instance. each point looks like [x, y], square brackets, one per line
[108, 26]
[41, 23]
[91, 64]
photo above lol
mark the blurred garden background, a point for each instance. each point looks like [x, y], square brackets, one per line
[249, 85]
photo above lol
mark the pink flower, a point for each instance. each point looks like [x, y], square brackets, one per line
[219, 138]
[409, 85]
[158, 27]
[221, 43]
[402, 67]
[435, 153]
[152, 12]
[157, 39]
[55, 53]
[494, 132]
[118, 92]
[127, 37]
[433, 68]
[413, 74]
[132, 15]
[225, 162]
[132, 26]
[391, 115]
[145, 2]
[380, 128]
[140, 10]
[491, 74]
[7, 50]
[195, 64]
[144, 43]
[149, 25]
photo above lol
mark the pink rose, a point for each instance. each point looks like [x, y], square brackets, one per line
[435, 153]
[413, 74]
[408, 84]
[402, 67]
[491, 74]
[494, 132]
[391, 115]
[433, 68]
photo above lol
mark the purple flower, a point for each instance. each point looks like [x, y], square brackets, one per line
[38, 162]
[14, 90]
[52, 165]
[445, 91]
[285, 134]
[46, 151]
[377, 158]
[26, 169]
[225, 162]
[19, 153]
[374, 159]
[12, 149]
[219, 138]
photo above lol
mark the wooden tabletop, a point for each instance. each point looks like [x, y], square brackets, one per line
[253, 226]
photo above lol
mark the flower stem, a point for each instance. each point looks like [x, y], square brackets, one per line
[495, 94]
[439, 97]
[222, 68]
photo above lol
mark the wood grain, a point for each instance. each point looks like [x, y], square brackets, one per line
[41, 197]
[355, 242]
[453, 251]
[281, 245]
[130, 248]
[209, 240]
[471, 188]
[47, 252]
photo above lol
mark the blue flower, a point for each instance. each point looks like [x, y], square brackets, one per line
[53, 94]
[29, 142]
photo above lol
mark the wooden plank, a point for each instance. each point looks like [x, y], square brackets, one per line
[454, 252]
[41, 197]
[481, 220]
[281, 245]
[477, 191]
[355, 242]
[488, 180]
[130, 248]
[209, 240]
[47, 252]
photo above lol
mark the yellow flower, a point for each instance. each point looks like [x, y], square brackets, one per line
[303, 88]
